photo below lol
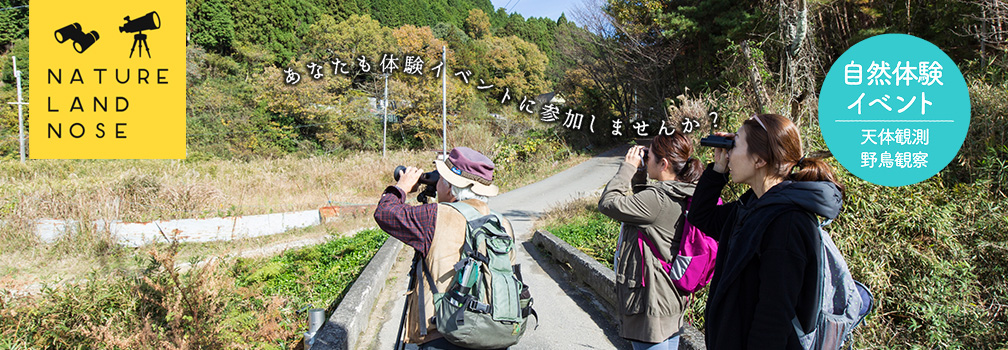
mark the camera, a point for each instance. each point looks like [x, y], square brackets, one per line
[717, 142]
[429, 178]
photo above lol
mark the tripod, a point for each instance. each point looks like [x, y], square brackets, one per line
[140, 39]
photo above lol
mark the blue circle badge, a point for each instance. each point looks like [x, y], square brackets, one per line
[894, 110]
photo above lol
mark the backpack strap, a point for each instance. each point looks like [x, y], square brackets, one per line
[804, 336]
[465, 209]
[421, 273]
[471, 215]
[823, 224]
[642, 240]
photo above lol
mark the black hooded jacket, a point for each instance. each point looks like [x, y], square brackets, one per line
[765, 270]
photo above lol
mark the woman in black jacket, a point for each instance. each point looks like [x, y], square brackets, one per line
[765, 272]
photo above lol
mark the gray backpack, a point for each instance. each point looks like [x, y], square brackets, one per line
[843, 302]
[486, 305]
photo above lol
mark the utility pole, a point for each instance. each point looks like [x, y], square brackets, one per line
[20, 103]
[444, 103]
[385, 121]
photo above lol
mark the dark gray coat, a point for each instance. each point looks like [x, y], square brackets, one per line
[654, 312]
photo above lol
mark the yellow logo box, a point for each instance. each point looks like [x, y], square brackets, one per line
[107, 79]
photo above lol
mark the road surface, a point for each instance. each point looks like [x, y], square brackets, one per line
[571, 318]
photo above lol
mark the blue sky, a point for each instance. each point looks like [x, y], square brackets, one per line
[539, 8]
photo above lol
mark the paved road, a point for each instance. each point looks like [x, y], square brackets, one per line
[570, 318]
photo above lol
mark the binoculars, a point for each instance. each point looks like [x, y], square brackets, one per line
[717, 142]
[429, 178]
[81, 41]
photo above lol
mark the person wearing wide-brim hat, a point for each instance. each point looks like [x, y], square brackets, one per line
[465, 167]
[437, 231]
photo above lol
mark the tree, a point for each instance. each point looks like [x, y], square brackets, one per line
[514, 64]
[13, 23]
[279, 25]
[420, 41]
[450, 33]
[419, 96]
[19, 49]
[598, 78]
[211, 25]
[991, 29]
[477, 25]
[317, 109]
[515, 25]
[356, 37]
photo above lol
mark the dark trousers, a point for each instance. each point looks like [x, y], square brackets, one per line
[440, 344]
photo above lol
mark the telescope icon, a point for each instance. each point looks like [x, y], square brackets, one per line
[149, 21]
[81, 41]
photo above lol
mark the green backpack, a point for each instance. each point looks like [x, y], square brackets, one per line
[486, 305]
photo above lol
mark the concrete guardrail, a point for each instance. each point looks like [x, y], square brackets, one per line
[343, 328]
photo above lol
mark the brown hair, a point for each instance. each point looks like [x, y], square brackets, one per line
[780, 145]
[677, 150]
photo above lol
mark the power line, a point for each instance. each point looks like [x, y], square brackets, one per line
[515, 4]
[11, 8]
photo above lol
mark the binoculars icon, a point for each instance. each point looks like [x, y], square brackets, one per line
[81, 41]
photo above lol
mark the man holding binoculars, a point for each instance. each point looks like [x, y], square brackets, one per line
[436, 231]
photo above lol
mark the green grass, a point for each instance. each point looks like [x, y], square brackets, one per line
[584, 227]
[316, 275]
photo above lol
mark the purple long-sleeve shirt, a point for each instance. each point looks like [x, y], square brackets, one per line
[413, 225]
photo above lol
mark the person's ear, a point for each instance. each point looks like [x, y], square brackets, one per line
[758, 162]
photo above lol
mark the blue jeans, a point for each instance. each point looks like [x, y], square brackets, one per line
[672, 343]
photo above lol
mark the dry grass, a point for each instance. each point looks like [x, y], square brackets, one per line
[146, 190]
[139, 190]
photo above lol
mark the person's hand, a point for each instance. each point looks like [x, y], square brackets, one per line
[409, 178]
[721, 154]
[635, 155]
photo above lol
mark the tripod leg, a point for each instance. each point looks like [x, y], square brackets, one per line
[135, 41]
[146, 47]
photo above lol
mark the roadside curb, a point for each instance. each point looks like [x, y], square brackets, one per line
[600, 279]
[343, 328]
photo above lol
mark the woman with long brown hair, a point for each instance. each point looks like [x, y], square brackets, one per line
[764, 284]
[650, 306]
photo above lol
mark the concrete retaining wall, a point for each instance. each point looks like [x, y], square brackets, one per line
[185, 230]
[343, 328]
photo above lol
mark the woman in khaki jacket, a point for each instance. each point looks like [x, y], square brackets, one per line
[650, 307]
